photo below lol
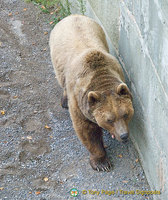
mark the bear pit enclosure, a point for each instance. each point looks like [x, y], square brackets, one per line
[40, 155]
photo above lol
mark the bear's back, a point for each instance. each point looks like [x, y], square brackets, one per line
[76, 33]
[70, 39]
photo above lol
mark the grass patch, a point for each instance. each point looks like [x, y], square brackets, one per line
[57, 9]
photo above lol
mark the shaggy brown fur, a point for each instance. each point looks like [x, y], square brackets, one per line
[93, 83]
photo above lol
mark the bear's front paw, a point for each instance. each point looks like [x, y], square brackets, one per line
[102, 164]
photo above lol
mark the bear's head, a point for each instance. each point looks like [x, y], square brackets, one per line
[112, 110]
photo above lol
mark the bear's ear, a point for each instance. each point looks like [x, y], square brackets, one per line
[93, 97]
[122, 89]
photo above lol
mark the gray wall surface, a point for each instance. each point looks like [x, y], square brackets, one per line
[137, 32]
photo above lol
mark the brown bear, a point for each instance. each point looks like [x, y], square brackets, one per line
[93, 84]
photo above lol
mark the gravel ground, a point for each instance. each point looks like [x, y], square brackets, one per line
[46, 163]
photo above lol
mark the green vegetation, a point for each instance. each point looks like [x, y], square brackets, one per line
[81, 5]
[58, 9]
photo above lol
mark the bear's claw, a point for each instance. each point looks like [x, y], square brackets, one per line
[98, 165]
[97, 169]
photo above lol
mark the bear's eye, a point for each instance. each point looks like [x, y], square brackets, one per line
[125, 116]
[110, 121]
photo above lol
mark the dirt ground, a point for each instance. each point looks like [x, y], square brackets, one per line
[38, 162]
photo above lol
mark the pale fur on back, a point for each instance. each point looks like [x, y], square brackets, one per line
[79, 52]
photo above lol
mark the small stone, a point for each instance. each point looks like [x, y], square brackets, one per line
[37, 192]
[2, 112]
[47, 127]
[45, 179]
[29, 137]
[125, 181]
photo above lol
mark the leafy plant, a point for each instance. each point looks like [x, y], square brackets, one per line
[58, 9]
[82, 6]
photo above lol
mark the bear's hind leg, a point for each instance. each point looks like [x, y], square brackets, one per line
[64, 100]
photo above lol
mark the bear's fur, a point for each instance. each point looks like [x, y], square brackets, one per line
[93, 84]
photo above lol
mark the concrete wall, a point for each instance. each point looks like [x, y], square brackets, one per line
[137, 32]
